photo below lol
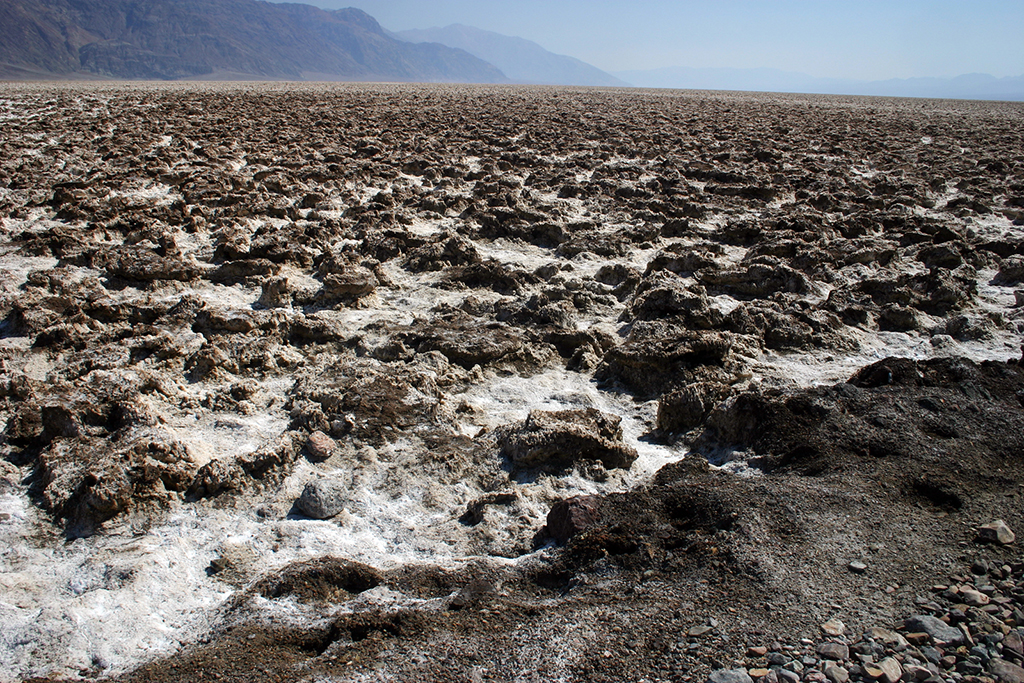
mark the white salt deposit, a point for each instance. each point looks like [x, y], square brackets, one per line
[104, 602]
[14, 269]
[504, 400]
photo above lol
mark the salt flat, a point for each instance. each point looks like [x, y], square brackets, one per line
[215, 296]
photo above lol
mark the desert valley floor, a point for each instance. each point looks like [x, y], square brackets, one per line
[428, 383]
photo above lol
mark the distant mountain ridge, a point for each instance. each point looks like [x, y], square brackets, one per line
[174, 39]
[521, 60]
[968, 86]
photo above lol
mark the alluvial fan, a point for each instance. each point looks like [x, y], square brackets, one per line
[379, 382]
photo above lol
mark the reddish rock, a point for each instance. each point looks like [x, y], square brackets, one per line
[321, 446]
[571, 516]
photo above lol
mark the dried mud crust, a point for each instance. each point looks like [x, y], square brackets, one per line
[216, 295]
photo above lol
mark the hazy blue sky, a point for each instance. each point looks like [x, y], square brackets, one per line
[863, 39]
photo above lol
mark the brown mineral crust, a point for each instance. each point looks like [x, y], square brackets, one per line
[325, 579]
[657, 358]
[556, 439]
[921, 418]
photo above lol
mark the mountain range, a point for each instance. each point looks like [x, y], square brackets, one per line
[256, 40]
[174, 39]
[521, 60]
[968, 86]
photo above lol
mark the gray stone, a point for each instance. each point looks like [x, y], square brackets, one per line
[973, 597]
[980, 652]
[729, 676]
[1005, 672]
[834, 651]
[871, 671]
[857, 567]
[322, 498]
[996, 532]
[969, 668]
[891, 670]
[836, 673]
[886, 637]
[1014, 643]
[834, 628]
[941, 632]
[918, 673]
[787, 676]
